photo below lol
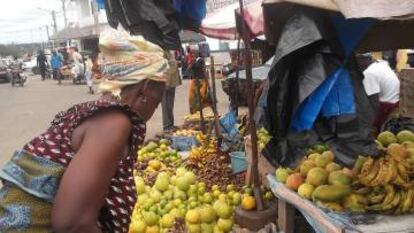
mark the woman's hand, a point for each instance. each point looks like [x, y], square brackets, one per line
[85, 182]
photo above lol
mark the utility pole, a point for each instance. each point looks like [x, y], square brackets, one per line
[47, 32]
[54, 22]
[95, 12]
[65, 19]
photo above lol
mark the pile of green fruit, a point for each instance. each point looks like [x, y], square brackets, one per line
[154, 158]
[381, 185]
[178, 196]
[158, 151]
[318, 178]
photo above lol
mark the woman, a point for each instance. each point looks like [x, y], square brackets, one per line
[198, 72]
[88, 74]
[77, 176]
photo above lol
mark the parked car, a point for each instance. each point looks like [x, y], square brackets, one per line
[30, 65]
[4, 71]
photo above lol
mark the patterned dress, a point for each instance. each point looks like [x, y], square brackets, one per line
[31, 177]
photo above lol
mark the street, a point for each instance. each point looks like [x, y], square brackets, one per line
[27, 111]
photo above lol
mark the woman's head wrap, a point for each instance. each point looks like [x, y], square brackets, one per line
[127, 60]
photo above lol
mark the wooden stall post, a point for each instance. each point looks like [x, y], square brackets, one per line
[286, 217]
[249, 81]
[214, 97]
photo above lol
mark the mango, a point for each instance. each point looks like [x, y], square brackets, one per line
[317, 176]
[294, 181]
[332, 166]
[339, 178]
[306, 166]
[331, 193]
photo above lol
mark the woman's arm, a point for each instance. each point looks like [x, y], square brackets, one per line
[85, 183]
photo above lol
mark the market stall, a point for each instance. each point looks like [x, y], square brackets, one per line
[197, 181]
[299, 114]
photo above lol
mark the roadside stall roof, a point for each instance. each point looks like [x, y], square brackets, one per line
[221, 24]
[73, 33]
[392, 28]
[380, 9]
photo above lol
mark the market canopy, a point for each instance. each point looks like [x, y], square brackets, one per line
[221, 23]
[380, 9]
[73, 33]
[392, 21]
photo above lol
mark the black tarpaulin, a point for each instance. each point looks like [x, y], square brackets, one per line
[309, 51]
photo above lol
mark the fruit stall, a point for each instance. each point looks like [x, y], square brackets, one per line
[376, 194]
[198, 193]
[187, 182]
[334, 183]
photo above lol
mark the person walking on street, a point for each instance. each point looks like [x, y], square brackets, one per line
[88, 75]
[42, 64]
[77, 61]
[172, 81]
[56, 62]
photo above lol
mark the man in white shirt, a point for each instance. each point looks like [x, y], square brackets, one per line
[78, 69]
[381, 85]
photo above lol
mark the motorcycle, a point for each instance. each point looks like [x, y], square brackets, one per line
[78, 72]
[18, 76]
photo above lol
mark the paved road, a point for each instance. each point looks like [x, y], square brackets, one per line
[26, 112]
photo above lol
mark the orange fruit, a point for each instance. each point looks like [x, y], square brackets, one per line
[248, 203]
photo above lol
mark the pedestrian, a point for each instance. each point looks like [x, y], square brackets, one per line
[382, 87]
[78, 175]
[198, 91]
[78, 62]
[42, 64]
[167, 104]
[88, 75]
[56, 62]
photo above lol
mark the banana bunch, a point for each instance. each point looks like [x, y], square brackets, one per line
[207, 114]
[391, 199]
[385, 183]
[186, 132]
[208, 148]
[382, 171]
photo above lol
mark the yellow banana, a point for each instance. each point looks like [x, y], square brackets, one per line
[390, 194]
[407, 202]
[402, 170]
[367, 165]
[363, 191]
[392, 173]
[358, 164]
[403, 197]
[401, 182]
[366, 177]
[381, 175]
[393, 203]
[377, 198]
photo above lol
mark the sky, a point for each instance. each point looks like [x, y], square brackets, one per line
[24, 21]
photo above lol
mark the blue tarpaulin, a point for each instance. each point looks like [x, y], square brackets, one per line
[100, 4]
[194, 9]
[335, 96]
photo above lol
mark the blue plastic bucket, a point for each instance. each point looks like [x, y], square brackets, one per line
[238, 161]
